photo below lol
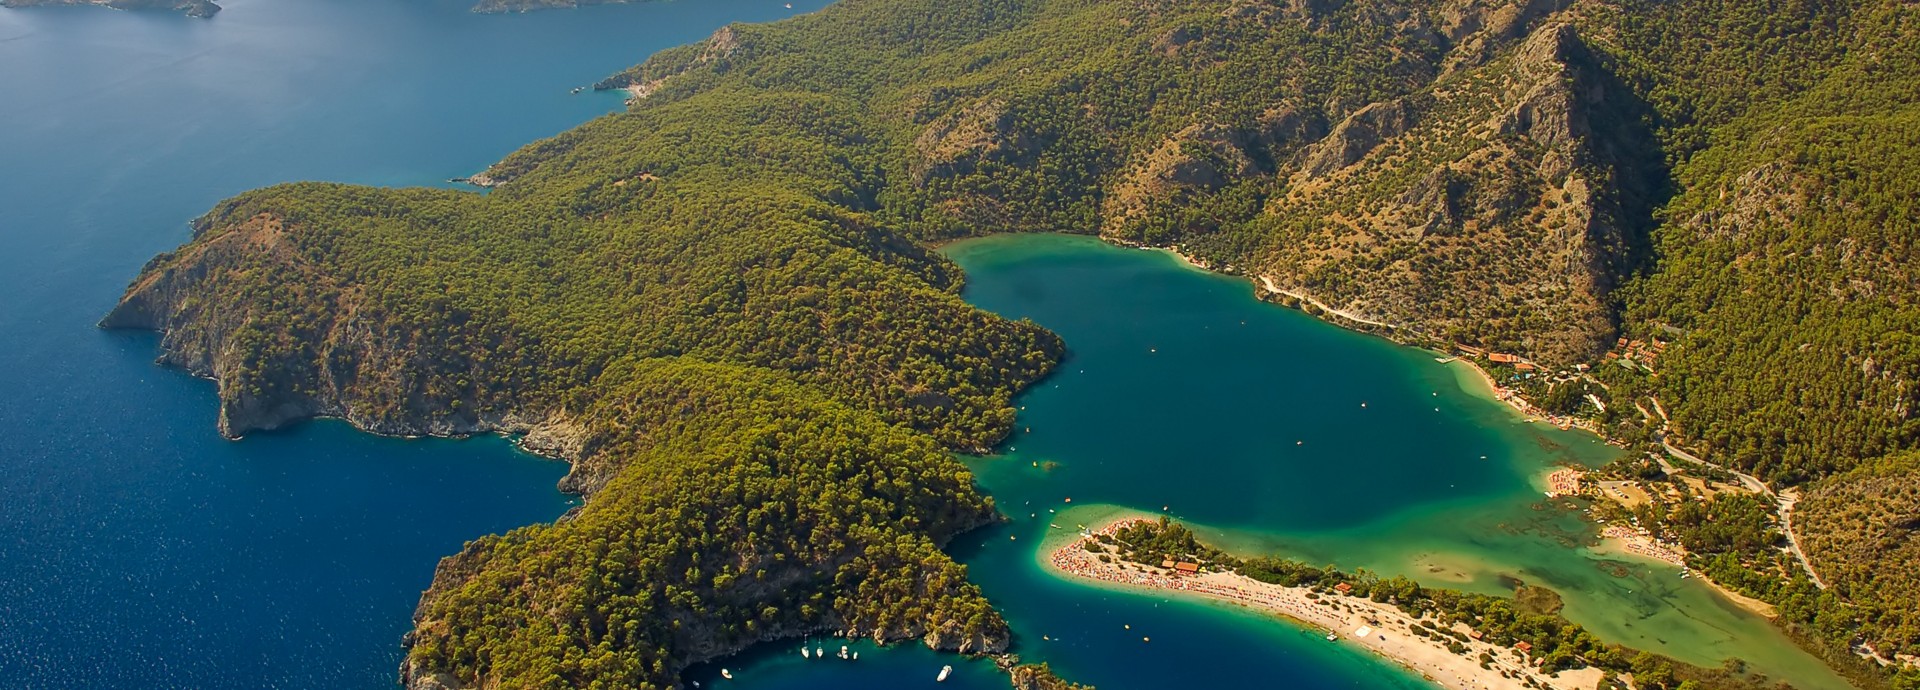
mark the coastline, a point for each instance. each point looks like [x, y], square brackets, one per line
[1378, 628]
[1481, 383]
[1265, 285]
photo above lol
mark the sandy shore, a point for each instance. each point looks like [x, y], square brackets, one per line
[1627, 541]
[1386, 628]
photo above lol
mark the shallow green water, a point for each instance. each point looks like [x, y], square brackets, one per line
[1272, 431]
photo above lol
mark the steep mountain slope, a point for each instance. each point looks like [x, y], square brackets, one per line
[1788, 263]
[1862, 530]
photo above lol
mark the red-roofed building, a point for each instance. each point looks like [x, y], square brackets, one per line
[1343, 588]
[1187, 568]
[1503, 358]
[1524, 647]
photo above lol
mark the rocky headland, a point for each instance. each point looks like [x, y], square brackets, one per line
[192, 8]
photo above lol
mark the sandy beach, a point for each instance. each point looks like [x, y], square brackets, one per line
[1376, 627]
[1628, 541]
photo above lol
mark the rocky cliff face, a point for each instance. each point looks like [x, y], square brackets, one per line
[346, 365]
[1483, 209]
[1501, 204]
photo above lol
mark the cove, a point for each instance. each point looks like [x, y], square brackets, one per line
[1245, 420]
[138, 549]
[1271, 431]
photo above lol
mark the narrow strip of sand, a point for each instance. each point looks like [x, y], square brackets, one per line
[1377, 627]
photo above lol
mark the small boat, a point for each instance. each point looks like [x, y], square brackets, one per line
[944, 672]
[789, 5]
[856, 656]
[843, 651]
[1331, 637]
[804, 654]
[726, 674]
[820, 652]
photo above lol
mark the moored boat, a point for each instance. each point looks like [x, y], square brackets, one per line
[944, 672]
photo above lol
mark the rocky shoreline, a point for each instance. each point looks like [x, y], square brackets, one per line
[202, 9]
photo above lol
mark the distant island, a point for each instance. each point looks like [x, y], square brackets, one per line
[192, 8]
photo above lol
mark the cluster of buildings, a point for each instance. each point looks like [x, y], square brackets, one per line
[1637, 354]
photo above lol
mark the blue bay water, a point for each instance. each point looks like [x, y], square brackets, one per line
[137, 548]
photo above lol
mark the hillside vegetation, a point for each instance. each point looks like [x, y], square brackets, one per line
[1862, 530]
[720, 305]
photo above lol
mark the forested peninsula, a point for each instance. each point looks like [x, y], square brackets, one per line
[191, 8]
[721, 307]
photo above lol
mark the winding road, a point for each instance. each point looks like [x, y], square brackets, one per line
[1784, 502]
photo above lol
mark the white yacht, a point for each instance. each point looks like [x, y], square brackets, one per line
[944, 672]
